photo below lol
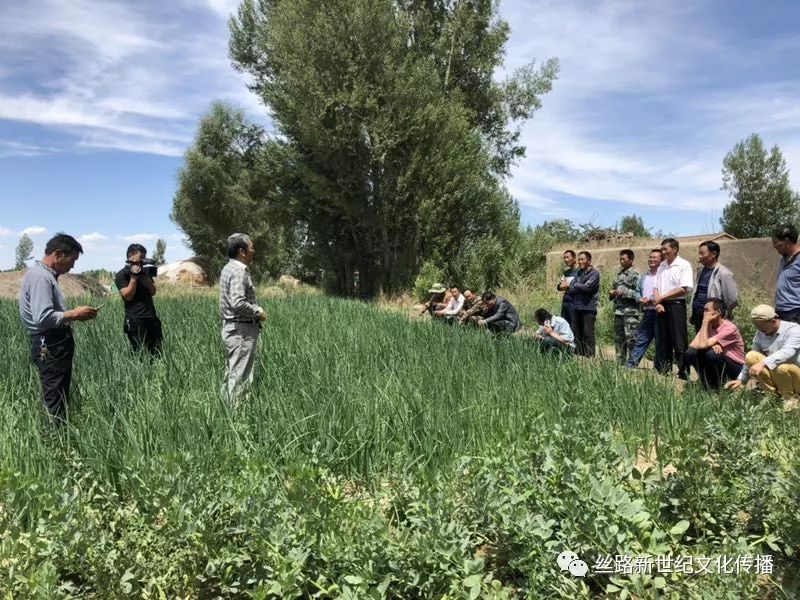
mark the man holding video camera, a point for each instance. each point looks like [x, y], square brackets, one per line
[136, 286]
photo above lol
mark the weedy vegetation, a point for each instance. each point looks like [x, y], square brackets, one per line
[378, 458]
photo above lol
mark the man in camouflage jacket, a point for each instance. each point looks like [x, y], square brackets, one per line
[626, 295]
[473, 308]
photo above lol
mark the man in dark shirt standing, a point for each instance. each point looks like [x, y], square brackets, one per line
[570, 272]
[142, 325]
[714, 280]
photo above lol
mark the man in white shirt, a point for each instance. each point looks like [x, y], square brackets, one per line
[554, 333]
[674, 281]
[453, 307]
[775, 357]
[647, 326]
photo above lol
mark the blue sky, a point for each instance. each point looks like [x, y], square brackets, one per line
[99, 100]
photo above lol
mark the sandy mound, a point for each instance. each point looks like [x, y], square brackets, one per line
[71, 285]
[191, 272]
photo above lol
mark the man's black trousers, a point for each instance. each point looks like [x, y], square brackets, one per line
[144, 333]
[712, 368]
[672, 338]
[583, 327]
[52, 352]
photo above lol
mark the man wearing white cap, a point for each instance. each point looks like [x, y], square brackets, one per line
[775, 357]
[436, 301]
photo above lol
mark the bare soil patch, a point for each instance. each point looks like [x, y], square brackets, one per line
[71, 285]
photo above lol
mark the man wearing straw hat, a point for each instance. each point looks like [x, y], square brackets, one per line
[436, 301]
[775, 358]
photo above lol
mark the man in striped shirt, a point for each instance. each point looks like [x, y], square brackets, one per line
[241, 316]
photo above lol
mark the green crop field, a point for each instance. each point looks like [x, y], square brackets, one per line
[379, 458]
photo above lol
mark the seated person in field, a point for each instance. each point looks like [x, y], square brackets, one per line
[436, 301]
[500, 316]
[717, 351]
[554, 333]
[775, 357]
[453, 307]
[473, 308]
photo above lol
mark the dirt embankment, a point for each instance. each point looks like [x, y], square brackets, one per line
[71, 285]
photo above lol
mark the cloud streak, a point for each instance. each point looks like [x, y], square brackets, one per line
[114, 75]
[649, 100]
[33, 231]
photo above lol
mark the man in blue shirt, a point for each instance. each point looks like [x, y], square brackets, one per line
[554, 333]
[647, 327]
[44, 315]
[787, 291]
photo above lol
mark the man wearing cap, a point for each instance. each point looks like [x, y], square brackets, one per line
[674, 281]
[787, 290]
[775, 357]
[45, 316]
[436, 301]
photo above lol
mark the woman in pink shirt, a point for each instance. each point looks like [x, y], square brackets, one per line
[717, 351]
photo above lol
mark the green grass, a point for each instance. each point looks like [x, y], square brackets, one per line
[375, 456]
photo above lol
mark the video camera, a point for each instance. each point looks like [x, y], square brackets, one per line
[148, 266]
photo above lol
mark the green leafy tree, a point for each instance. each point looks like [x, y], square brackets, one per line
[633, 224]
[24, 252]
[161, 249]
[758, 183]
[235, 179]
[556, 231]
[397, 130]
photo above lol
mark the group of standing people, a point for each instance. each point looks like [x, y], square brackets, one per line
[46, 319]
[658, 305]
[654, 305]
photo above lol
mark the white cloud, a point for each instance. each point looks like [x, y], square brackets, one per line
[649, 99]
[92, 237]
[5, 231]
[32, 231]
[131, 144]
[14, 148]
[223, 8]
[139, 238]
[114, 75]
